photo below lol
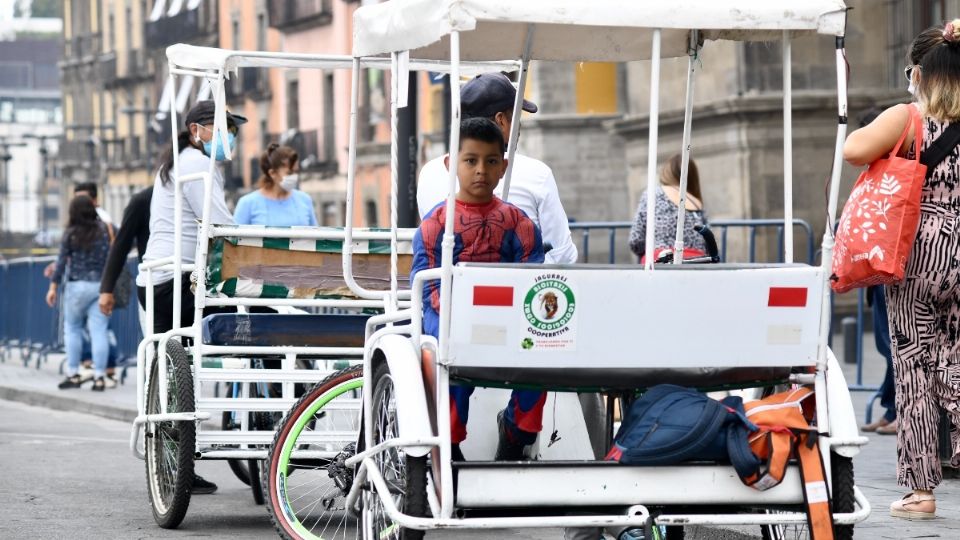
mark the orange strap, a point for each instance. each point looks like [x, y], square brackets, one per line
[815, 490]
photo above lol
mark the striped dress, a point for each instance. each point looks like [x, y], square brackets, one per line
[924, 314]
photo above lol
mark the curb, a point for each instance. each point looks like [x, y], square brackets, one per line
[65, 403]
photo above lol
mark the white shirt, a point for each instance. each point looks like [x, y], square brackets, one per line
[104, 216]
[160, 244]
[533, 189]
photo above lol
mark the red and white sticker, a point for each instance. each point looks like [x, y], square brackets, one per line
[787, 297]
[492, 296]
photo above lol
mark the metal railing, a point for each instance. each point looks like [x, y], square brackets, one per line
[27, 324]
[614, 235]
[26, 321]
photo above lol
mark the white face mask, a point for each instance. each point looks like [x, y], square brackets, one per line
[290, 182]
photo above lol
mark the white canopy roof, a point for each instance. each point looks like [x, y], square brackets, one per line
[597, 30]
[211, 58]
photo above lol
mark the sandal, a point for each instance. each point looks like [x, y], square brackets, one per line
[899, 509]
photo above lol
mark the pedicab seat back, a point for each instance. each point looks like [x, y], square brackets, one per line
[278, 267]
[623, 327]
[284, 330]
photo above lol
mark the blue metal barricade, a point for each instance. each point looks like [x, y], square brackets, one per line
[28, 324]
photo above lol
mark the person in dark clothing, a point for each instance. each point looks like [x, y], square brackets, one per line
[135, 227]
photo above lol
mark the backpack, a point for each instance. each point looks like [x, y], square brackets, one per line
[671, 424]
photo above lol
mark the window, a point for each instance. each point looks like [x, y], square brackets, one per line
[329, 126]
[328, 215]
[293, 104]
[933, 12]
[370, 211]
[261, 32]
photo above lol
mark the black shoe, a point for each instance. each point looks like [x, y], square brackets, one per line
[201, 486]
[73, 381]
[456, 454]
[506, 450]
[99, 385]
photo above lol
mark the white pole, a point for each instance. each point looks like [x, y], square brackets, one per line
[394, 164]
[443, 408]
[652, 146]
[826, 262]
[787, 150]
[693, 51]
[177, 212]
[517, 112]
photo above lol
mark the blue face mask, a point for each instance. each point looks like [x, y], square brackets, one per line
[221, 154]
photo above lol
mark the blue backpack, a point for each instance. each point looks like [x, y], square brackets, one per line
[671, 424]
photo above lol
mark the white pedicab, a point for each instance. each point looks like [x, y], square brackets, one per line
[622, 328]
[176, 395]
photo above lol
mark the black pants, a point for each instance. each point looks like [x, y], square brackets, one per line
[163, 305]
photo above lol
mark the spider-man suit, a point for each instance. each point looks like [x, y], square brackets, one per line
[494, 232]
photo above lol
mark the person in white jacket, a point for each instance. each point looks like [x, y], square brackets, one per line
[533, 188]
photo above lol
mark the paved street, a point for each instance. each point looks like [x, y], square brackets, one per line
[79, 465]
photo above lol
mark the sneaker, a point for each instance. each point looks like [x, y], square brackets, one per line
[73, 381]
[85, 374]
[201, 486]
[507, 450]
[99, 385]
[110, 380]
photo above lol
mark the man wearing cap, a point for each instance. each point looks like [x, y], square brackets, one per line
[533, 188]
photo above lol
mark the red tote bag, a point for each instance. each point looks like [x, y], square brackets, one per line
[879, 222]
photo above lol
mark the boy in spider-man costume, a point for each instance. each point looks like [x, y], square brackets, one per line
[486, 230]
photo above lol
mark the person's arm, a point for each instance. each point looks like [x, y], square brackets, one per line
[638, 233]
[193, 195]
[555, 225]
[877, 139]
[529, 246]
[423, 259]
[242, 214]
[134, 218]
[61, 264]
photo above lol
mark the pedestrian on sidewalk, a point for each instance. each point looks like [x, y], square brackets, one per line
[924, 308]
[85, 245]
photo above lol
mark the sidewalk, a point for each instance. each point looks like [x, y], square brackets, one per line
[875, 467]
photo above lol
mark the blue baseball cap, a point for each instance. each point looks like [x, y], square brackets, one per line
[485, 95]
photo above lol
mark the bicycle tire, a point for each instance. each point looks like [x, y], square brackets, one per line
[412, 496]
[170, 443]
[304, 413]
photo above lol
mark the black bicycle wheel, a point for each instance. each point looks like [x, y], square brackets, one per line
[405, 475]
[170, 445]
[841, 471]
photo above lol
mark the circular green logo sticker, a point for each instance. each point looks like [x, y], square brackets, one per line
[549, 305]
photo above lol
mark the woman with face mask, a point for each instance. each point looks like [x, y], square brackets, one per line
[278, 202]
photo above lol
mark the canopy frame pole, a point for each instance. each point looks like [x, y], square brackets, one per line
[787, 148]
[446, 292]
[394, 166]
[517, 111]
[827, 246]
[693, 50]
[178, 217]
[652, 146]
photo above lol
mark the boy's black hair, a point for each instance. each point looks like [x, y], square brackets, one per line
[482, 129]
[89, 187]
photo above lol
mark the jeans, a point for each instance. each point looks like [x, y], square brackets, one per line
[881, 335]
[79, 307]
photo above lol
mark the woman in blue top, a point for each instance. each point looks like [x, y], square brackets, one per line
[278, 202]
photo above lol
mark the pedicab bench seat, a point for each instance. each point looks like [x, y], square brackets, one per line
[283, 330]
[622, 327]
